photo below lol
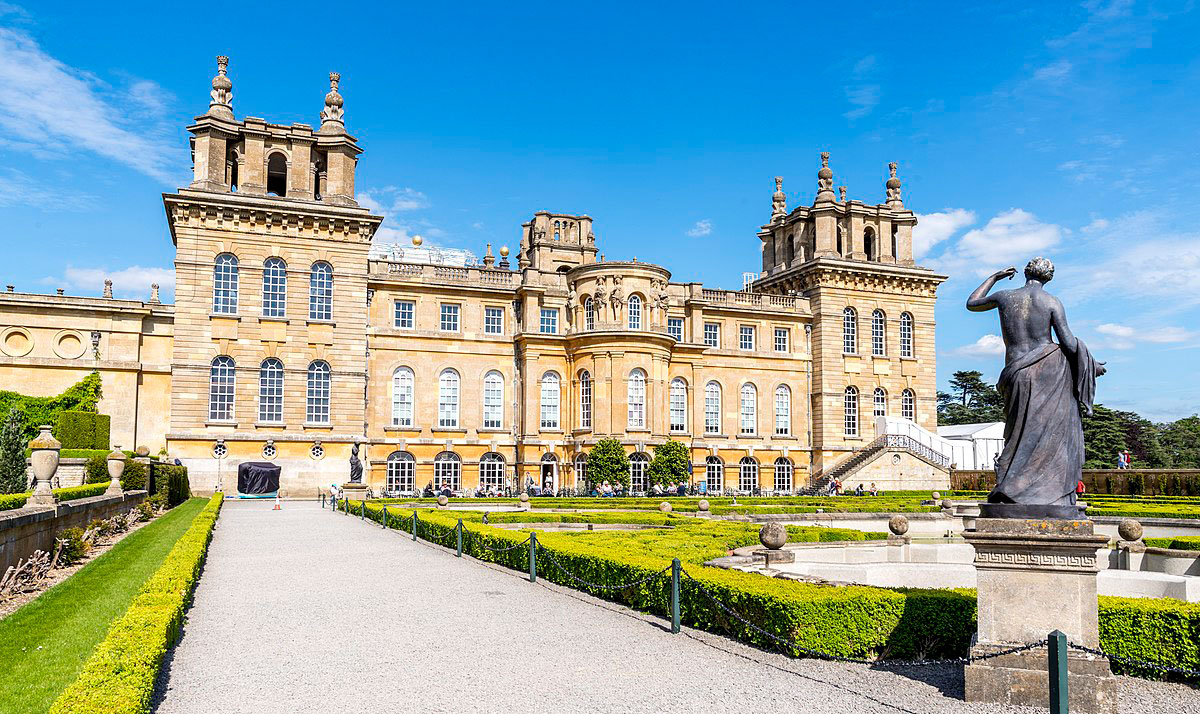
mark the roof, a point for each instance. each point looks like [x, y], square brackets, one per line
[986, 430]
[431, 255]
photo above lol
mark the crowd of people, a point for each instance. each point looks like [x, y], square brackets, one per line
[834, 488]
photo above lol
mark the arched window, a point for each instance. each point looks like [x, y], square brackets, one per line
[448, 399]
[493, 401]
[550, 399]
[637, 472]
[220, 389]
[870, 245]
[636, 397]
[906, 334]
[557, 231]
[841, 244]
[581, 470]
[678, 406]
[749, 409]
[447, 470]
[401, 472]
[789, 251]
[317, 407]
[274, 288]
[747, 474]
[320, 291]
[878, 333]
[635, 312]
[491, 471]
[783, 410]
[908, 405]
[714, 474]
[589, 314]
[270, 390]
[712, 408]
[585, 400]
[403, 396]
[277, 175]
[849, 331]
[879, 400]
[851, 411]
[783, 475]
[225, 284]
[896, 241]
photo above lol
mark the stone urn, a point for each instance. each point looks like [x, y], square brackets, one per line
[773, 536]
[44, 460]
[523, 501]
[664, 507]
[116, 466]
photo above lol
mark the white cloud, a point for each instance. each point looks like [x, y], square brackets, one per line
[933, 228]
[1123, 337]
[132, 282]
[864, 98]
[702, 228]
[1010, 237]
[50, 108]
[18, 189]
[864, 66]
[1141, 255]
[392, 199]
[1053, 72]
[986, 346]
[1097, 225]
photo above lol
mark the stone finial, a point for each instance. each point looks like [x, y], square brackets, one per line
[504, 257]
[825, 179]
[778, 200]
[59, 291]
[331, 117]
[488, 259]
[154, 292]
[222, 91]
[842, 194]
[11, 288]
[893, 187]
[108, 288]
[898, 525]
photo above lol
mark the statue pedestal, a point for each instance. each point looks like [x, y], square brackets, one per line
[1035, 576]
[354, 491]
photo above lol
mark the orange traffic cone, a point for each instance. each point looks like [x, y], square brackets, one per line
[277, 508]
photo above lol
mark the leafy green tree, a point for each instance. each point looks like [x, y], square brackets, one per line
[971, 401]
[607, 461]
[1181, 442]
[1103, 438]
[12, 452]
[669, 465]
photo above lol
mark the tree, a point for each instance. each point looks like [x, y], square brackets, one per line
[12, 453]
[1103, 438]
[670, 464]
[607, 461]
[1181, 441]
[972, 400]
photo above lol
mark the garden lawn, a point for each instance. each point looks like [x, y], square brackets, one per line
[45, 643]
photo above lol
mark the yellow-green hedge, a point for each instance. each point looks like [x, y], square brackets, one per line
[10, 501]
[119, 676]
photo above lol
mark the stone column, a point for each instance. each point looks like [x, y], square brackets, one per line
[1036, 576]
[44, 460]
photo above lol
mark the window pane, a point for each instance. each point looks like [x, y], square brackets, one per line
[320, 292]
[749, 409]
[880, 403]
[493, 401]
[712, 408]
[675, 328]
[589, 314]
[270, 391]
[402, 397]
[783, 411]
[849, 331]
[449, 321]
[549, 404]
[447, 471]
[274, 288]
[783, 475]
[851, 411]
[714, 474]
[549, 321]
[906, 335]
[493, 320]
[491, 471]
[636, 393]
[585, 400]
[747, 474]
[317, 411]
[712, 334]
[878, 333]
[225, 285]
[678, 407]
[908, 405]
[401, 472]
[448, 399]
[781, 339]
[405, 310]
[220, 389]
[746, 337]
[635, 312]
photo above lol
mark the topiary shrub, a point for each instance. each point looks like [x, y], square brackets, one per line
[73, 548]
[134, 476]
[670, 463]
[83, 430]
[12, 453]
[96, 469]
[607, 461]
[173, 481]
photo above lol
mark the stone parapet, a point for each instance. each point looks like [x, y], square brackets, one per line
[25, 530]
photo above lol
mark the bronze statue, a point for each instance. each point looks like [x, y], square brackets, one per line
[355, 465]
[1044, 383]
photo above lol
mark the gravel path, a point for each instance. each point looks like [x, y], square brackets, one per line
[307, 611]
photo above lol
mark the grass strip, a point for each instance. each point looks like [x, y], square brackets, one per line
[45, 643]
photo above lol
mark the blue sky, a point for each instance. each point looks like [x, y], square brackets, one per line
[1050, 128]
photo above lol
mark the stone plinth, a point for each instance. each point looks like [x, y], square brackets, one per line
[354, 491]
[1035, 576]
[771, 557]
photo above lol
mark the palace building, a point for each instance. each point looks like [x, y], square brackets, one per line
[293, 337]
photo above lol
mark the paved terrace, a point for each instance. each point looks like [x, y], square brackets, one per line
[307, 611]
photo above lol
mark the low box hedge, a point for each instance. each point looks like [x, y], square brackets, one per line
[1158, 630]
[16, 500]
[119, 676]
[1176, 543]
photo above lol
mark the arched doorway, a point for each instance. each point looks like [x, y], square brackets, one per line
[549, 476]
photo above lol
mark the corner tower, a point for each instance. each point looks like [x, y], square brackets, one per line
[269, 361]
[872, 336]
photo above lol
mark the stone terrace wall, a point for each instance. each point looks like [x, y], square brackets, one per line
[1149, 482]
[25, 530]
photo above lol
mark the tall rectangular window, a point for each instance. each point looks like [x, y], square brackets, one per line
[405, 312]
[675, 328]
[549, 321]
[746, 337]
[712, 334]
[225, 285]
[270, 390]
[320, 292]
[678, 405]
[585, 400]
[781, 339]
[449, 321]
[493, 320]
[274, 302]
[493, 401]
[319, 387]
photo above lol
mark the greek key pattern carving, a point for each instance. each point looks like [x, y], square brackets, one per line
[1037, 560]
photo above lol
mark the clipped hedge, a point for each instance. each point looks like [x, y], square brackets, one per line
[81, 397]
[171, 480]
[119, 676]
[1176, 543]
[1161, 631]
[83, 430]
[16, 500]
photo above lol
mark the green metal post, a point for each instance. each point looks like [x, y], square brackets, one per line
[362, 511]
[460, 537]
[533, 557]
[675, 596]
[414, 525]
[383, 519]
[1058, 672]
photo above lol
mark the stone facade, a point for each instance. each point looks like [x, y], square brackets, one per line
[292, 338]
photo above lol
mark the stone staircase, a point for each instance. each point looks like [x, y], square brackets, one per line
[862, 456]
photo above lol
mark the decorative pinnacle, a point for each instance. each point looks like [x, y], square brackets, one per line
[221, 102]
[825, 179]
[778, 200]
[331, 116]
[893, 187]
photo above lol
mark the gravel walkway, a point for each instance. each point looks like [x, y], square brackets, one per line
[307, 611]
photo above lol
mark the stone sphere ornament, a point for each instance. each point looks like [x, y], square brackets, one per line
[142, 450]
[773, 536]
[937, 495]
[503, 251]
[524, 498]
[702, 506]
[898, 525]
[947, 504]
[664, 507]
[1130, 530]
[442, 501]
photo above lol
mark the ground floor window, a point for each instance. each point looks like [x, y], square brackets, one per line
[714, 474]
[491, 471]
[783, 475]
[747, 474]
[401, 472]
[447, 471]
[637, 473]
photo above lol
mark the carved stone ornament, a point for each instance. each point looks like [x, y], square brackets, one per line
[222, 90]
